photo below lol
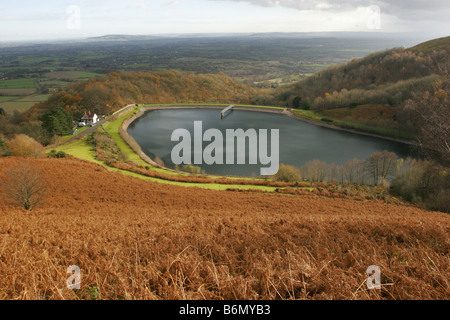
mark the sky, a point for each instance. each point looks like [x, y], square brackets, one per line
[47, 20]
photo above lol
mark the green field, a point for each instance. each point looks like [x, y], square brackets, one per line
[7, 98]
[69, 75]
[12, 103]
[79, 130]
[113, 130]
[17, 83]
[58, 80]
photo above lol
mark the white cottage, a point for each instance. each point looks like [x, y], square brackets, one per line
[89, 117]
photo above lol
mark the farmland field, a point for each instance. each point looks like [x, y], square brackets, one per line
[58, 80]
[251, 58]
[174, 243]
[22, 94]
[263, 60]
[17, 92]
[11, 103]
[17, 84]
[71, 75]
[7, 98]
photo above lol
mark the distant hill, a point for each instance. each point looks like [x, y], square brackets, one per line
[105, 94]
[120, 37]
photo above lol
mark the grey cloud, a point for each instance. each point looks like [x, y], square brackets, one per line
[407, 9]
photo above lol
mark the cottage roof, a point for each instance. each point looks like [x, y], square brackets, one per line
[88, 115]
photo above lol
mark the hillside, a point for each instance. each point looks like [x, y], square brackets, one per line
[136, 239]
[401, 93]
[387, 77]
[427, 47]
[108, 93]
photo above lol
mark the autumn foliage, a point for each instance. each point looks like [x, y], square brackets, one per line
[110, 92]
[135, 239]
[24, 146]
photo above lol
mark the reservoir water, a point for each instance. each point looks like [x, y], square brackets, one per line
[300, 142]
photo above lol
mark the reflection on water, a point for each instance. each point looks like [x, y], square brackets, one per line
[300, 142]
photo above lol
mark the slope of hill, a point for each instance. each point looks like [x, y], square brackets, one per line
[379, 90]
[387, 77]
[134, 239]
[427, 47]
[108, 93]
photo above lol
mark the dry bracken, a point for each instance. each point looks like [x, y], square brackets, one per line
[134, 239]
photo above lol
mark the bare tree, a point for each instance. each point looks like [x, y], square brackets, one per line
[433, 112]
[23, 185]
[315, 170]
[354, 171]
[381, 165]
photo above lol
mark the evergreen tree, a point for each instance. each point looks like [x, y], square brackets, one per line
[58, 121]
[301, 103]
[296, 102]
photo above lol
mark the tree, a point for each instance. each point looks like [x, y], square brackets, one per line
[423, 181]
[23, 185]
[301, 103]
[296, 102]
[57, 122]
[433, 114]
[354, 171]
[381, 165]
[24, 146]
[288, 173]
[315, 170]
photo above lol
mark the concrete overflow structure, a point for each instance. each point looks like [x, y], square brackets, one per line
[222, 114]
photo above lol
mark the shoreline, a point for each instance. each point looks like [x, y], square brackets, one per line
[330, 126]
[123, 133]
[123, 129]
[284, 111]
